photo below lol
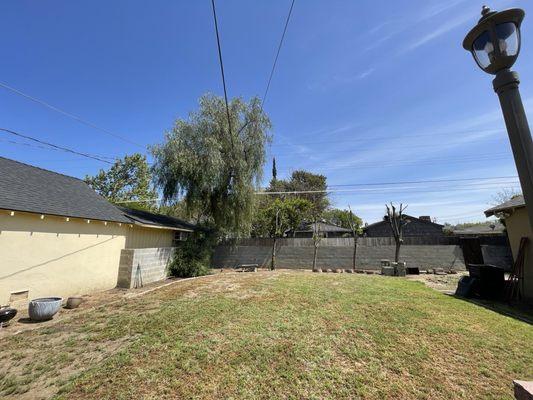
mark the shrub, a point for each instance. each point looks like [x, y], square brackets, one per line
[193, 256]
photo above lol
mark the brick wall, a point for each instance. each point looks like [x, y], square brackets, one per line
[139, 267]
[337, 253]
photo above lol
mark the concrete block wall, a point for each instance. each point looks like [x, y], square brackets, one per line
[139, 267]
[337, 253]
[368, 256]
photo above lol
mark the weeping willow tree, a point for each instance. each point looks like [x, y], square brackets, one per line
[214, 164]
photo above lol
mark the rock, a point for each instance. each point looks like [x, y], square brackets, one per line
[387, 271]
[349, 271]
[317, 270]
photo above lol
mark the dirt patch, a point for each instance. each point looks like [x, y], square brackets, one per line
[442, 283]
[40, 368]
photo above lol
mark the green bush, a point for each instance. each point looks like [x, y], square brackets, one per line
[193, 256]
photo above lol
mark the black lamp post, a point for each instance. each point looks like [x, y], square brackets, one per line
[495, 44]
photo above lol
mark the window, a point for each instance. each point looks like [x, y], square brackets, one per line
[179, 236]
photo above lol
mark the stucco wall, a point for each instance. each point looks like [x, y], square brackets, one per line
[141, 238]
[53, 257]
[517, 227]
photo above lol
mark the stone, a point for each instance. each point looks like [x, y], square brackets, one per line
[385, 263]
[359, 271]
[439, 271]
[387, 271]
[349, 271]
[338, 271]
[523, 390]
[400, 269]
[317, 270]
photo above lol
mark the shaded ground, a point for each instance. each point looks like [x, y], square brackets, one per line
[274, 335]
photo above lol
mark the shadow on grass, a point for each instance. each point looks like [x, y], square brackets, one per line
[519, 311]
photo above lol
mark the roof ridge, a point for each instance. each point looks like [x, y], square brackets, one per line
[43, 169]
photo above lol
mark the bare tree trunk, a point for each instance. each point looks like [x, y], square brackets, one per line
[397, 253]
[273, 265]
[354, 251]
[315, 256]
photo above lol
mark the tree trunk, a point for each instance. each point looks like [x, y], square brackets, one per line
[273, 266]
[354, 251]
[397, 254]
[315, 254]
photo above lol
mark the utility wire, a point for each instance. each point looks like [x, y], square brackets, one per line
[388, 138]
[427, 181]
[277, 55]
[45, 147]
[263, 100]
[75, 117]
[57, 147]
[467, 187]
[448, 190]
[222, 71]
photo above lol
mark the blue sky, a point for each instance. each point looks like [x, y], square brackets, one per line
[364, 92]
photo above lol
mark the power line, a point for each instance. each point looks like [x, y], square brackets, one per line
[263, 100]
[428, 181]
[425, 191]
[382, 184]
[75, 117]
[277, 54]
[394, 163]
[409, 146]
[222, 71]
[46, 147]
[388, 138]
[57, 147]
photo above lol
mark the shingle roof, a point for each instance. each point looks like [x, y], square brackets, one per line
[515, 202]
[156, 220]
[410, 217]
[31, 189]
[322, 227]
[482, 229]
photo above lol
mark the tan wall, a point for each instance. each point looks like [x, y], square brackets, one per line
[52, 257]
[143, 238]
[517, 227]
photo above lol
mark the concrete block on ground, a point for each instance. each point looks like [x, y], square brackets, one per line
[387, 271]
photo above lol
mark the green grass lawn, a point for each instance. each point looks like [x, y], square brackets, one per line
[275, 335]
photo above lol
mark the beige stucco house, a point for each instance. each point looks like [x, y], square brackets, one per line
[59, 238]
[517, 223]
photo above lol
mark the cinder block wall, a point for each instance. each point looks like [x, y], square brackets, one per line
[139, 267]
[338, 253]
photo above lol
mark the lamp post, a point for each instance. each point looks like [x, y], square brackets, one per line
[495, 44]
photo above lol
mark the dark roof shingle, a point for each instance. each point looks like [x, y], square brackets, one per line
[515, 202]
[36, 190]
[158, 220]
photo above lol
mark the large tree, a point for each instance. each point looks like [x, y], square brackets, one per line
[276, 216]
[214, 164]
[304, 181]
[343, 218]
[128, 180]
